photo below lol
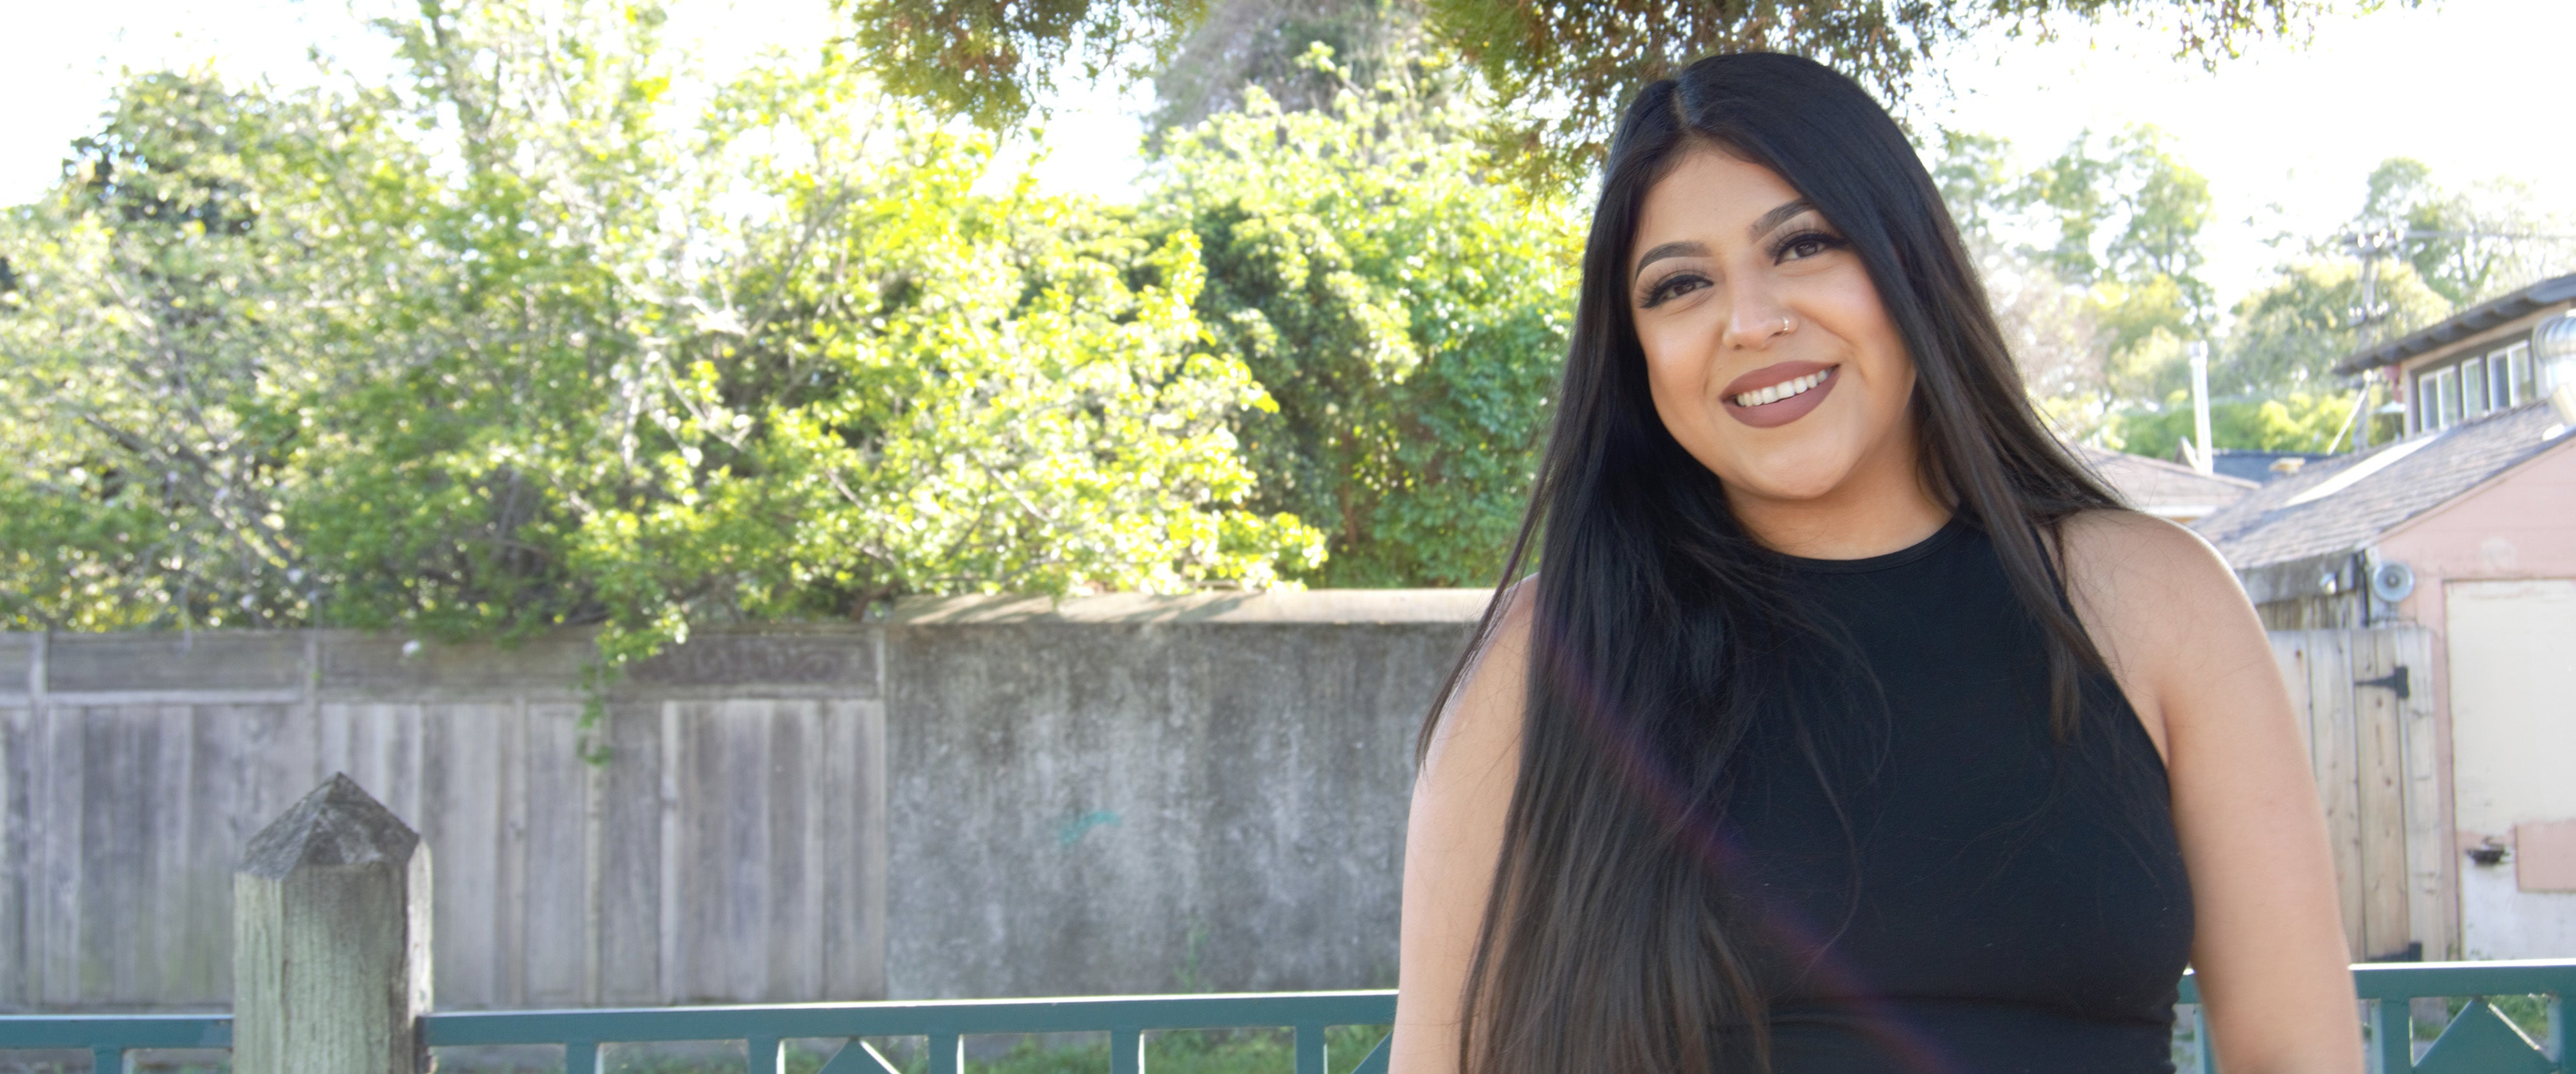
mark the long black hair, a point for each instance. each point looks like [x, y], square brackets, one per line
[1660, 625]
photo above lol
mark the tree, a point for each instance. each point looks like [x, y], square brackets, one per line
[2092, 259]
[911, 387]
[1559, 71]
[2127, 220]
[519, 343]
[2292, 421]
[2288, 337]
[2055, 337]
[1244, 44]
[2467, 245]
[1405, 309]
[179, 305]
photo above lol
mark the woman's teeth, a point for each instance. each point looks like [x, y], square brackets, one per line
[1782, 390]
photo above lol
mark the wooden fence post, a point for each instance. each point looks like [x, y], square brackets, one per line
[331, 940]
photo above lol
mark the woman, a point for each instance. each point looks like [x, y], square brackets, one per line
[1847, 724]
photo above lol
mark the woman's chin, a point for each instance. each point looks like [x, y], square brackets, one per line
[1792, 474]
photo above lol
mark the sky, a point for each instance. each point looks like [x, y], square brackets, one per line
[2285, 133]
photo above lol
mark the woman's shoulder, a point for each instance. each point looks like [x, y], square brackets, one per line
[2131, 558]
[1482, 715]
[2158, 601]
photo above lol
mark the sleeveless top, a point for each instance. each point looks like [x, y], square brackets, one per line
[1997, 899]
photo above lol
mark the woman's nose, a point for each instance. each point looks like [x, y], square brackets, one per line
[1755, 319]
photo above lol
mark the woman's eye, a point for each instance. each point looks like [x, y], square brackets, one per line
[1672, 287]
[1800, 247]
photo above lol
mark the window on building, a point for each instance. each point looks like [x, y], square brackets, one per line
[2517, 366]
[2446, 398]
[2473, 388]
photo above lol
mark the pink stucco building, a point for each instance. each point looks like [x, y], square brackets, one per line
[2466, 526]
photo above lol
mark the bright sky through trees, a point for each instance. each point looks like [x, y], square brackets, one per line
[2284, 134]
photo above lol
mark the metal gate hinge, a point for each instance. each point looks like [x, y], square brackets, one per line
[2395, 680]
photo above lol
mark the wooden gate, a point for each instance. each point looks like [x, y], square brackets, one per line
[2365, 701]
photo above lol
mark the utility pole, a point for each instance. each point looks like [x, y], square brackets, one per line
[2203, 458]
[2370, 246]
[2368, 316]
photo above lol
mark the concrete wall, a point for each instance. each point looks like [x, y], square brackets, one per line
[973, 798]
[1119, 796]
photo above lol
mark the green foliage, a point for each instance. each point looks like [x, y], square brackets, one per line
[990, 60]
[2291, 334]
[2294, 422]
[163, 435]
[2127, 219]
[1406, 310]
[526, 342]
[2467, 245]
[1244, 44]
[917, 388]
[1978, 181]
[1560, 71]
[2115, 224]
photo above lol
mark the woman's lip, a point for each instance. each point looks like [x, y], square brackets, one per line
[1772, 374]
[1774, 415]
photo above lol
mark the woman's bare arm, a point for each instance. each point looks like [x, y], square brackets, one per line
[2193, 659]
[1452, 840]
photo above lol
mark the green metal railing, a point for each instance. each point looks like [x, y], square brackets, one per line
[766, 1028]
[2478, 1040]
[107, 1037]
[945, 1022]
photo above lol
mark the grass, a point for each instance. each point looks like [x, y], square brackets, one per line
[2528, 1013]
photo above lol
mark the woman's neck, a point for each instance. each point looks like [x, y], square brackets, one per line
[1882, 507]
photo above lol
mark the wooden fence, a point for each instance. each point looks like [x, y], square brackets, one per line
[719, 838]
[974, 797]
[2365, 701]
[733, 845]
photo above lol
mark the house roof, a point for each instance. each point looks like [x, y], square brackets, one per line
[2256, 466]
[2476, 319]
[2149, 484]
[2345, 503]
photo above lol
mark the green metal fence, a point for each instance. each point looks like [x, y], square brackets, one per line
[2477, 1040]
[766, 1028]
[945, 1023]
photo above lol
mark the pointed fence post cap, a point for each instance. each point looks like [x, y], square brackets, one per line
[337, 824]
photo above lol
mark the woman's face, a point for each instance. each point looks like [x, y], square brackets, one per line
[1768, 354]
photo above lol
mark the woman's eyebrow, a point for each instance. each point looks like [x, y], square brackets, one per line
[1670, 249]
[1782, 214]
[1778, 216]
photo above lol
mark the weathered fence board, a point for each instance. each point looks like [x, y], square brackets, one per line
[124, 805]
[1105, 796]
[2375, 764]
[2382, 775]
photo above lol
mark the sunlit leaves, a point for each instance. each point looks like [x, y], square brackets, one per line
[524, 341]
[1560, 70]
[1406, 308]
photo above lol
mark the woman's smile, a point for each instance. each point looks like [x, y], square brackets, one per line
[1768, 354]
[1776, 395]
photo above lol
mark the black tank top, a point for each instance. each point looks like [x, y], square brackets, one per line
[2003, 901]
